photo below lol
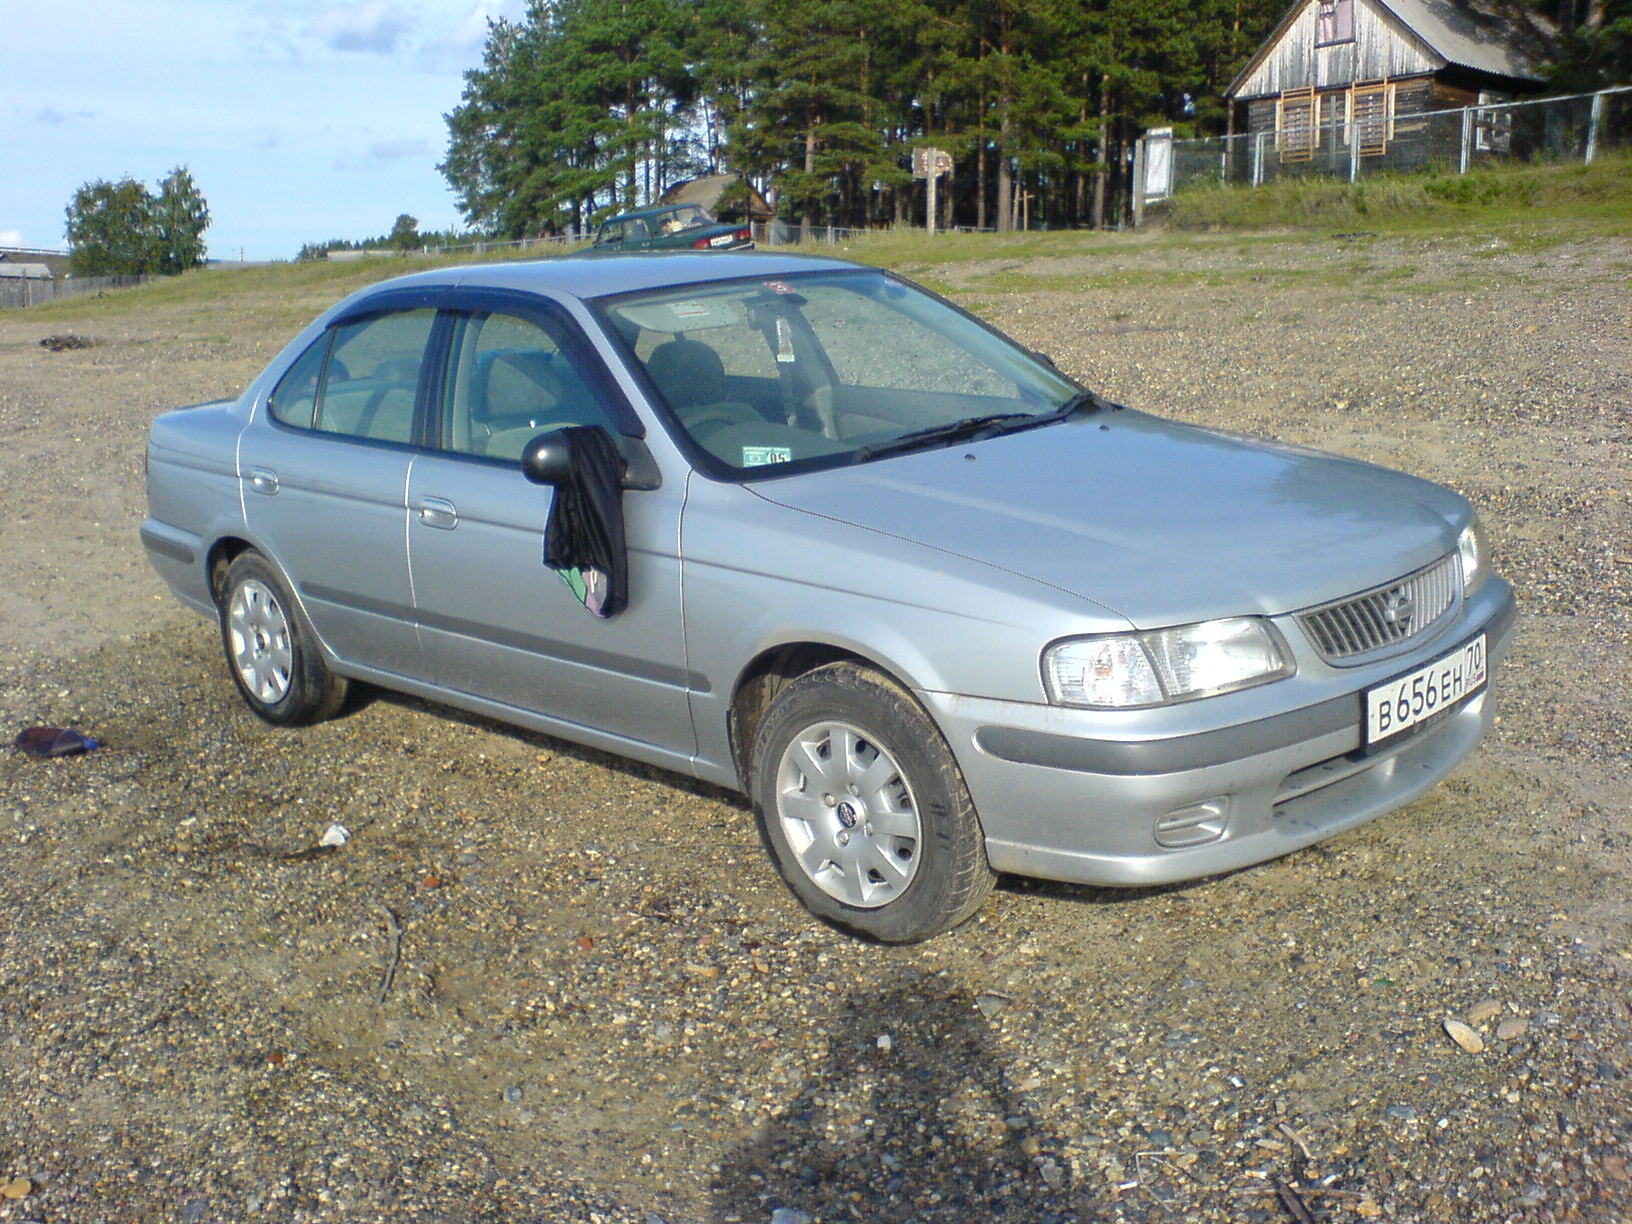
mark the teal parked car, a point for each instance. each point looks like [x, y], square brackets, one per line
[676, 227]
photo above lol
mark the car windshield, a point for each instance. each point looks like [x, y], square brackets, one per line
[829, 368]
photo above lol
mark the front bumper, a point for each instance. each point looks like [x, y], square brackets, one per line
[1060, 799]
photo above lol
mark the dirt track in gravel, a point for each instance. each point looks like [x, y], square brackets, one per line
[605, 1005]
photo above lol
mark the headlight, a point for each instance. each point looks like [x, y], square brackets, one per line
[1128, 670]
[1475, 555]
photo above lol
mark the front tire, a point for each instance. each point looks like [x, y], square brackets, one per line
[271, 651]
[864, 810]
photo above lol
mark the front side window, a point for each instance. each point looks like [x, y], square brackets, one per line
[630, 229]
[509, 381]
[827, 368]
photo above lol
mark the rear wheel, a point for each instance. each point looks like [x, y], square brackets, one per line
[271, 651]
[864, 810]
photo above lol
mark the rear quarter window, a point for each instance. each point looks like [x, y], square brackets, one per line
[294, 400]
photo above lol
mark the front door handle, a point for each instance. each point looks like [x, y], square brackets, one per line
[263, 480]
[438, 512]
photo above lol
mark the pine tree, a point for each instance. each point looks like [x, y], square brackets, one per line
[584, 106]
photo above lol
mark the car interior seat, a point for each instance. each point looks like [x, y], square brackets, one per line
[691, 377]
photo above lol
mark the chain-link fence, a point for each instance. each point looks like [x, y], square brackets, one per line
[1578, 128]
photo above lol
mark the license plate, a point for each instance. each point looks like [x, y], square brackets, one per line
[1407, 700]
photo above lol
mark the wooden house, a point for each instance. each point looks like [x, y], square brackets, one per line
[725, 195]
[1336, 72]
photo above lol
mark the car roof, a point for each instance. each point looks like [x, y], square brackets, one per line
[596, 276]
[653, 211]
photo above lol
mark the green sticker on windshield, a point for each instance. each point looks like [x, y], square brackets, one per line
[758, 456]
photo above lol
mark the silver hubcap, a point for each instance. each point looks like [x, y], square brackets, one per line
[260, 642]
[848, 813]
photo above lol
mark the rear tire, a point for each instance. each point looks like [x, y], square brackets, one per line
[864, 810]
[271, 650]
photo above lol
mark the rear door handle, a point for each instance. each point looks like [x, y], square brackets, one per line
[438, 512]
[263, 480]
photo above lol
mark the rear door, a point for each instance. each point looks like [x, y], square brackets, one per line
[324, 477]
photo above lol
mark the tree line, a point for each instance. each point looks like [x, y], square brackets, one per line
[405, 236]
[586, 106]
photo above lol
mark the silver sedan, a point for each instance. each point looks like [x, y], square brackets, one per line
[800, 528]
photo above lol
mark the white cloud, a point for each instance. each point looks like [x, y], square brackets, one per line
[51, 115]
[375, 26]
[462, 45]
[385, 152]
[11, 238]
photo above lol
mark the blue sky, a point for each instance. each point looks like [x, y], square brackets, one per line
[300, 120]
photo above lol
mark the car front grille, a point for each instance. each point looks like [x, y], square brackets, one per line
[1355, 629]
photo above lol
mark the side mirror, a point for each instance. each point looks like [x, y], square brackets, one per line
[547, 460]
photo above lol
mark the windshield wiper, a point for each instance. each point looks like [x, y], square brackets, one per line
[1080, 404]
[971, 428]
[966, 430]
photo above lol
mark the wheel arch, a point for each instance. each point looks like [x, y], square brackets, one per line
[222, 554]
[231, 545]
[772, 670]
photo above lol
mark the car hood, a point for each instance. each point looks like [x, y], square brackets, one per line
[1162, 523]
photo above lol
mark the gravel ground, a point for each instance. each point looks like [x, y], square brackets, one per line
[540, 984]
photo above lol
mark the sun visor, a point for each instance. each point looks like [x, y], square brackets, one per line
[686, 315]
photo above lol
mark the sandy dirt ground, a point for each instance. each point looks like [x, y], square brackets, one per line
[541, 984]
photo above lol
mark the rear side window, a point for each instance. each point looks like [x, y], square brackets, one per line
[372, 377]
[361, 379]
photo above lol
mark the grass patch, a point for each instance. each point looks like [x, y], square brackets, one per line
[915, 253]
[1526, 207]
[1531, 204]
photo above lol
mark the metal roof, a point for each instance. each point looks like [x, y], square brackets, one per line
[712, 188]
[1503, 42]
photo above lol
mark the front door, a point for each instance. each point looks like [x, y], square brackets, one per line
[495, 622]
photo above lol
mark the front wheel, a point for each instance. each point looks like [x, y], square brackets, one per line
[271, 650]
[864, 810]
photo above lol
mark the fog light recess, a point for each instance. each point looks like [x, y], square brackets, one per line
[1195, 824]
